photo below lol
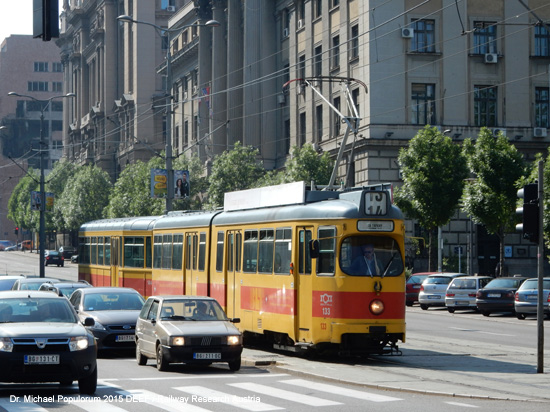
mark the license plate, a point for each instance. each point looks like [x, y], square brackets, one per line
[207, 356]
[461, 303]
[493, 295]
[41, 360]
[434, 297]
[124, 338]
[531, 297]
[416, 286]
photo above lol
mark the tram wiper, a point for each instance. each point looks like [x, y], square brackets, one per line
[388, 265]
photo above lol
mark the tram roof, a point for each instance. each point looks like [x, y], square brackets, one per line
[185, 219]
[120, 224]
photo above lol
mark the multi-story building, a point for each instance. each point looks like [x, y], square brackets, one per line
[32, 68]
[457, 65]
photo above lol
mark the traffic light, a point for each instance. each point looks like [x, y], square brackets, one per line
[529, 212]
[45, 19]
[16, 230]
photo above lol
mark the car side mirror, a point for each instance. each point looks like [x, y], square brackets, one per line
[235, 320]
[89, 322]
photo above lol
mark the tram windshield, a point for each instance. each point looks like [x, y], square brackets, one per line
[371, 256]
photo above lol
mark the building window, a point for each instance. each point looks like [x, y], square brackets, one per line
[196, 127]
[186, 133]
[57, 67]
[319, 122]
[485, 37]
[335, 53]
[287, 136]
[424, 36]
[337, 120]
[40, 66]
[542, 42]
[302, 67]
[303, 128]
[37, 86]
[317, 8]
[485, 106]
[542, 103]
[57, 87]
[334, 3]
[354, 43]
[423, 104]
[318, 61]
[286, 22]
[355, 99]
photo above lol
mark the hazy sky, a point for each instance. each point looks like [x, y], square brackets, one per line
[16, 17]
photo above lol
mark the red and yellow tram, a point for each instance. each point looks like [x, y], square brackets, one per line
[318, 270]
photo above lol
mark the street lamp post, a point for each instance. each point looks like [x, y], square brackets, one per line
[168, 91]
[42, 230]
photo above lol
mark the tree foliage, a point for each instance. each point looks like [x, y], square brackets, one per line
[19, 204]
[490, 198]
[434, 169]
[237, 169]
[57, 180]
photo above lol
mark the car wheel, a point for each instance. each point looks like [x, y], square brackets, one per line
[141, 360]
[63, 264]
[451, 310]
[520, 315]
[162, 365]
[423, 306]
[235, 364]
[485, 313]
[409, 303]
[88, 385]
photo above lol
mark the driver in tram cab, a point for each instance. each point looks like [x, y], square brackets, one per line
[366, 264]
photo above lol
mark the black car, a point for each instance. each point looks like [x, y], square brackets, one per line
[53, 257]
[188, 329]
[498, 295]
[67, 251]
[115, 311]
[42, 340]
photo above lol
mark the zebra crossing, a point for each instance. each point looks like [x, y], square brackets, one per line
[244, 394]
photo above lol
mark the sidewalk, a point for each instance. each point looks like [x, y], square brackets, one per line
[427, 366]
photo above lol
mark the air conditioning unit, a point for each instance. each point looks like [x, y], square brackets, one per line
[539, 132]
[491, 58]
[285, 32]
[407, 33]
[300, 24]
[171, 8]
[499, 130]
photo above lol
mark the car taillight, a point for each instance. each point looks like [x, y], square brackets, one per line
[421, 287]
[450, 295]
[509, 295]
[516, 297]
[472, 295]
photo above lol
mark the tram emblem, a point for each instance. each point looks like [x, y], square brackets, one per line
[326, 299]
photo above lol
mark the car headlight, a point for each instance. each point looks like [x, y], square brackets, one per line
[78, 343]
[377, 307]
[177, 341]
[6, 345]
[97, 326]
[234, 340]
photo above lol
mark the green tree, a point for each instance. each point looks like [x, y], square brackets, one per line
[233, 170]
[490, 198]
[56, 182]
[434, 169]
[19, 204]
[85, 196]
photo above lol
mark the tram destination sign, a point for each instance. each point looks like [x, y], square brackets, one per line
[375, 225]
[376, 203]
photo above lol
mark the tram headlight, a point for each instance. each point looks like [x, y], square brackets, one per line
[376, 307]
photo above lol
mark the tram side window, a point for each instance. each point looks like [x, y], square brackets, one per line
[133, 252]
[304, 255]
[195, 250]
[166, 251]
[327, 250]
[265, 255]
[283, 251]
[84, 250]
[177, 256]
[100, 250]
[219, 252]
[107, 251]
[93, 259]
[189, 245]
[157, 251]
[230, 249]
[148, 255]
[238, 248]
[202, 250]
[250, 251]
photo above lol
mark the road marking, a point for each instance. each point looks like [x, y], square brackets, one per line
[250, 403]
[284, 394]
[20, 406]
[195, 377]
[496, 334]
[479, 331]
[168, 403]
[351, 393]
[465, 405]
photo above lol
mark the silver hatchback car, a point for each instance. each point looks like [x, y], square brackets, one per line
[527, 297]
[433, 289]
[461, 293]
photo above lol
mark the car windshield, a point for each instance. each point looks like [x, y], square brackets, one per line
[369, 256]
[504, 284]
[463, 284]
[35, 310]
[6, 284]
[438, 280]
[532, 284]
[193, 310]
[416, 279]
[113, 301]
